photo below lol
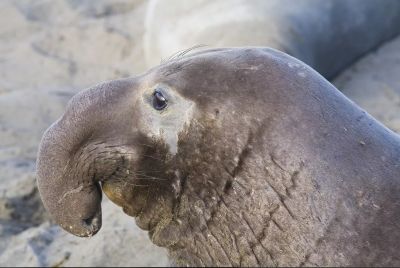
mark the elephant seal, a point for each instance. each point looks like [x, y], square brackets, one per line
[229, 157]
[328, 35]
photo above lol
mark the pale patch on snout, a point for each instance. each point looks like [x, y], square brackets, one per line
[165, 124]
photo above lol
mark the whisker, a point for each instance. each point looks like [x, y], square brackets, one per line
[148, 145]
[122, 175]
[128, 182]
[151, 178]
[181, 53]
[145, 172]
[153, 157]
[186, 51]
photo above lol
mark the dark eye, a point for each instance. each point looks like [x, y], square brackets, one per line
[159, 101]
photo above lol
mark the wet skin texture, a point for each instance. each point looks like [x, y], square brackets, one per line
[255, 160]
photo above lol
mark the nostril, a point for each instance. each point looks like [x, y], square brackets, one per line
[89, 221]
[92, 225]
[92, 222]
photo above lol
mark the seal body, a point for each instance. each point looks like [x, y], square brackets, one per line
[230, 157]
[327, 35]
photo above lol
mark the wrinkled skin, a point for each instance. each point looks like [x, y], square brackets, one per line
[256, 160]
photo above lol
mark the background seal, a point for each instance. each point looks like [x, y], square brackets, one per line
[327, 35]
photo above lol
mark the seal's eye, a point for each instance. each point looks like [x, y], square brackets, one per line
[159, 101]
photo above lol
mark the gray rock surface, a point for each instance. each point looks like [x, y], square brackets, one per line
[120, 243]
[75, 43]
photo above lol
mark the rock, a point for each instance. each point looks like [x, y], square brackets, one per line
[71, 42]
[104, 8]
[374, 83]
[119, 243]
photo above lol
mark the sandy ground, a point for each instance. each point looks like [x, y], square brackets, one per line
[49, 50]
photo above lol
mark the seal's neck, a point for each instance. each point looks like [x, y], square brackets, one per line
[275, 204]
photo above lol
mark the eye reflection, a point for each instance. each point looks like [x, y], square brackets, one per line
[159, 100]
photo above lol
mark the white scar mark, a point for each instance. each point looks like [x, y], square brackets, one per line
[294, 65]
[167, 124]
[169, 130]
[73, 191]
[250, 67]
[302, 74]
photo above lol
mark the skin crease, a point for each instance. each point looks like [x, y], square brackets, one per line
[256, 161]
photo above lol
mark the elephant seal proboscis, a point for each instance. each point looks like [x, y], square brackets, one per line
[235, 156]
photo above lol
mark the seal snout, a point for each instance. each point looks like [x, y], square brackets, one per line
[91, 225]
[80, 212]
[71, 162]
[84, 228]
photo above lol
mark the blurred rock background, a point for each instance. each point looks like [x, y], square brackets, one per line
[49, 50]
